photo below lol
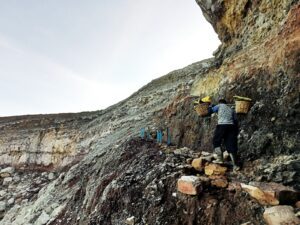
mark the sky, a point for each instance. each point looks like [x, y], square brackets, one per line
[73, 55]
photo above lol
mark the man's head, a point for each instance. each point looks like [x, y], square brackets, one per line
[222, 101]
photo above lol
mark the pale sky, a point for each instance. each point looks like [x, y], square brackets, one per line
[84, 55]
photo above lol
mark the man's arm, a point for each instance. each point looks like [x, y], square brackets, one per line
[215, 109]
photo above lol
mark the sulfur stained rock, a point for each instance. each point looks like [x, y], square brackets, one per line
[190, 185]
[215, 169]
[197, 164]
[281, 215]
[264, 198]
[285, 195]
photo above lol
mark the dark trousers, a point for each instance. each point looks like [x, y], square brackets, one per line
[227, 133]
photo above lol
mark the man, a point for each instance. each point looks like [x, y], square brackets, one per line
[227, 131]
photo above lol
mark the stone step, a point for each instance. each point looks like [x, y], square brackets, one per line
[190, 185]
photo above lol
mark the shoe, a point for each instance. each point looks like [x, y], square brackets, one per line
[234, 162]
[217, 161]
[236, 168]
[219, 156]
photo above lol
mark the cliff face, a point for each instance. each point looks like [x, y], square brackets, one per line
[266, 68]
[245, 23]
[101, 173]
[43, 142]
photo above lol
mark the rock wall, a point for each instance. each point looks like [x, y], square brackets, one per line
[267, 71]
[244, 23]
[42, 142]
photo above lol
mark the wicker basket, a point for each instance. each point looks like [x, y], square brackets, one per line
[242, 106]
[202, 109]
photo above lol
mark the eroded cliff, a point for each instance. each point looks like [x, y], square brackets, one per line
[104, 174]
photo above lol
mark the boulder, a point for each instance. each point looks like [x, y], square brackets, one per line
[190, 185]
[280, 215]
[297, 205]
[215, 169]
[285, 195]
[263, 198]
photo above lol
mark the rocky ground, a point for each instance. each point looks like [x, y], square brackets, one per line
[21, 186]
[92, 168]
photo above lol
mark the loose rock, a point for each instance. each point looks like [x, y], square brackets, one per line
[215, 169]
[263, 198]
[130, 220]
[197, 164]
[2, 206]
[51, 176]
[11, 201]
[279, 215]
[190, 185]
[7, 181]
[7, 172]
[43, 219]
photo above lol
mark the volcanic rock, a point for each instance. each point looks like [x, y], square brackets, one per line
[279, 215]
[190, 185]
[7, 172]
[2, 206]
[198, 164]
[215, 169]
[262, 197]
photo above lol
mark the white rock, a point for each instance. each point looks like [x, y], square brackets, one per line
[2, 206]
[44, 174]
[7, 172]
[51, 176]
[2, 193]
[24, 201]
[43, 219]
[10, 170]
[7, 180]
[17, 178]
[130, 220]
[279, 215]
[11, 201]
